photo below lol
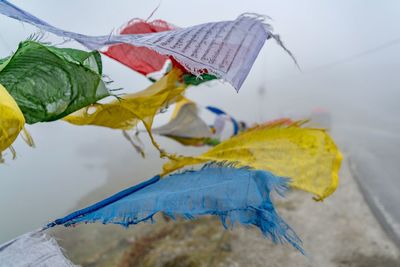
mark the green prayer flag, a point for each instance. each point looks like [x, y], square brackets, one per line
[48, 83]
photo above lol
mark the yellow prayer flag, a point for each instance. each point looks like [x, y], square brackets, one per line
[126, 112]
[11, 120]
[307, 156]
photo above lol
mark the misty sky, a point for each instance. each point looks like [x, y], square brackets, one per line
[325, 37]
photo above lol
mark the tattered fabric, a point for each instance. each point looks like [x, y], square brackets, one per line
[140, 59]
[33, 249]
[145, 60]
[308, 156]
[185, 125]
[236, 195]
[225, 49]
[187, 128]
[49, 83]
[126, 112]
[11, 120]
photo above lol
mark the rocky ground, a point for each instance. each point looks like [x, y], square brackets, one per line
[341, 231]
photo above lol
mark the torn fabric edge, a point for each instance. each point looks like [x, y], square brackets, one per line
[226, 49]
[216, 189]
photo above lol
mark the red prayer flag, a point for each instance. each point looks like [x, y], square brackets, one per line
[140, 59]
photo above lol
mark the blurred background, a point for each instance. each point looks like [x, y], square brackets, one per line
[348, 52]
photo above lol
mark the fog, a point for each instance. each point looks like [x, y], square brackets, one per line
[349, 66]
